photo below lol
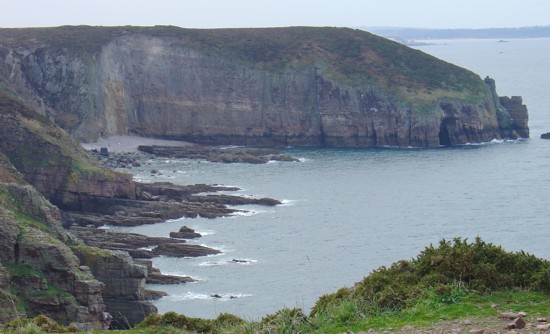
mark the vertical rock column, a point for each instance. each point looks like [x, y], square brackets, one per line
[124, 284]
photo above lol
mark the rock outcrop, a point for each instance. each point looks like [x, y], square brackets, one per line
[219, 154]
[54, 273]
[135, 244]
[185, 233]
[38, 272]
[124, 281]
[269, 87]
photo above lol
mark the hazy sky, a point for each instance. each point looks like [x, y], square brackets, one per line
[259, 13]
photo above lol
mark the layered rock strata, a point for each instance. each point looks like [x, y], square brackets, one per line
[266, 87]
[53, 272]
[39, 274]
[124, 294]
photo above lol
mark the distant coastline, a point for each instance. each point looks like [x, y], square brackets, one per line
[410, 35]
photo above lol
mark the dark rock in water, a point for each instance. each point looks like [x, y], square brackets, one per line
[183, 250]
[519, 117]
[218, 154]
[185, 233]
[545, 135]
[131, 242]
[238, 158]
[216, 295]
[154, 294]
[233, 200]
[154, 276]
[285, 158]
[104, 152]
[158, 278]
[239, 261]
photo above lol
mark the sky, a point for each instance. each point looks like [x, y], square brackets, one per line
[260, 13]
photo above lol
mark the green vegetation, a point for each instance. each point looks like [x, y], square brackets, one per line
[22, 270]
[40, 324]
[40, 147]
[352, 57]
[455, 280]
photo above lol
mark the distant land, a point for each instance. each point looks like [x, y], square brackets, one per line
[413, 34]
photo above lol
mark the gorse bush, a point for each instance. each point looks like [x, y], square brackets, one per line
[179, 321]
[39, 324]
[440, 276]
[448, 271]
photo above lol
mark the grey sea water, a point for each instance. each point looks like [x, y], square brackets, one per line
[348, 211]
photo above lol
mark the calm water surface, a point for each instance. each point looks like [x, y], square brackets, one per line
[348, 211]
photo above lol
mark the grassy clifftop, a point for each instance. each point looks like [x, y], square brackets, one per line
[53, 162]
[451, 288]
[354, 57]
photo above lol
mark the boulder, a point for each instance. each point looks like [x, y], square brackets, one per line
[518, 323]
[183, 250]
[185, 233]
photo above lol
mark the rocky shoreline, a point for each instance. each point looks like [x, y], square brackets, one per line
[158, 202]
[145, 153]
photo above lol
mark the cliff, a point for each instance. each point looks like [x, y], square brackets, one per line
[46, 270]
[269, 87]
[40, 272]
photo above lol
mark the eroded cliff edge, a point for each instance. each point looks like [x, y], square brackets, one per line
[45, 269]
[269, 87]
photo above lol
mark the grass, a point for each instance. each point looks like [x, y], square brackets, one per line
[351, 315]
[424, 293]
[351, 57]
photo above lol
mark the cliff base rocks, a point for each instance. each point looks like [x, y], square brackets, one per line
[218, 154]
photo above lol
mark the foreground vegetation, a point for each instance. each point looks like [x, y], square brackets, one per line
[455, 280]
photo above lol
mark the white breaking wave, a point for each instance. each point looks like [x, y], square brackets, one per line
[214, 296]
[213, 263]
[288, 202]
[205, 232]
[227, 262]
[245, 213]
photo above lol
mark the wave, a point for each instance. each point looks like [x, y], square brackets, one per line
[214, 296]
[494, 141]
[247, 213]
[212, 263]
[205, 232]
[227, 262]
[288, 202]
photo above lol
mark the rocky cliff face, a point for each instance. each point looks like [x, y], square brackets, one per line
[39, 271]
[124, 284]
[288, 86]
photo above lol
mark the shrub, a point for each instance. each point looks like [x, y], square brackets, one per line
[448, 270]
[39, 324]
[285, 321]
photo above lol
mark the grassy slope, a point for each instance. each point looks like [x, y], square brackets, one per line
[435, 301]
[353, 57]
[45, 145]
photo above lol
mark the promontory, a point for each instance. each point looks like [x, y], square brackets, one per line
[261, 87]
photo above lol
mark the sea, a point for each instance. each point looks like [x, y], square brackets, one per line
[346, 212]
